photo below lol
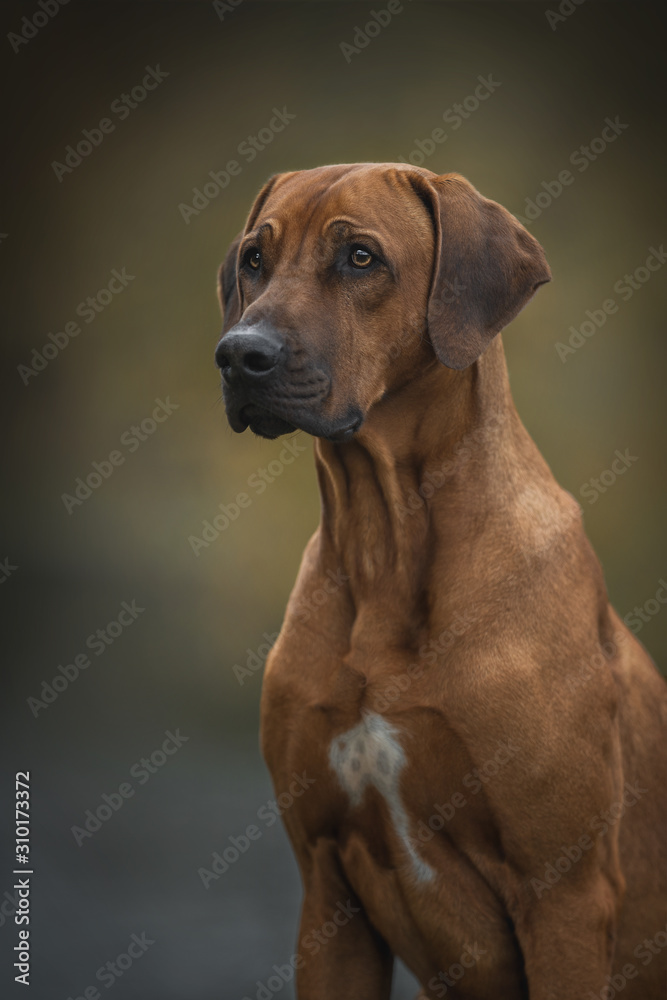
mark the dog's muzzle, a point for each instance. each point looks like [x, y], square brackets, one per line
[274, 389]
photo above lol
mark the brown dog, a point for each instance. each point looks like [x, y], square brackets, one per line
[484, 737]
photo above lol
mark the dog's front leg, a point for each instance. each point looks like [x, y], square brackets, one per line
[339, 952]
[567, 938]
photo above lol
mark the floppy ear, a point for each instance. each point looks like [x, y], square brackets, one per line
[228, 292]
[486, 268]
[228, 287]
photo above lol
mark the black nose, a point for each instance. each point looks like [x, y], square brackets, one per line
[248, 355]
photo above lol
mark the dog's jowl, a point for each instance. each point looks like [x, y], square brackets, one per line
[447, 776]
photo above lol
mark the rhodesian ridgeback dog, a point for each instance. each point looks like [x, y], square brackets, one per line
[483, 736]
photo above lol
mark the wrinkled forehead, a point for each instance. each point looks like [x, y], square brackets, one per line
[336, 201]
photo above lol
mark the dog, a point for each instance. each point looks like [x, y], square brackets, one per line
[482, 735]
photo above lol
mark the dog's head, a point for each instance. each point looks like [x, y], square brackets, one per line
[349, 280]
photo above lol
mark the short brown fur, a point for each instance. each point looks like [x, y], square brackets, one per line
[469, 610]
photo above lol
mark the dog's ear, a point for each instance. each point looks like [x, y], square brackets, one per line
[228, 287]
[228, 290]
[486, 268]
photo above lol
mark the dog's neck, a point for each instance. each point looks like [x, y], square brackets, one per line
[404, 492]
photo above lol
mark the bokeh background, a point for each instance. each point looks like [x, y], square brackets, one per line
[173, 668]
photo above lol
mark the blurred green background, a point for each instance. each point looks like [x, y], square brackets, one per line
[119, 208]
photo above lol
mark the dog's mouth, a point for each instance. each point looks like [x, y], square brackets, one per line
[260, 421]
[267, 423]
[345, 432]
[291, 395]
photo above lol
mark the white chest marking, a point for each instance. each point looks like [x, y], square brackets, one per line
[371, 754]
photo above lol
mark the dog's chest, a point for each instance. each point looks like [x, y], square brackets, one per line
[371, 755]
[382, 757]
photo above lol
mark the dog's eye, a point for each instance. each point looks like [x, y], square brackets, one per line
[360, 257]
[254, 259]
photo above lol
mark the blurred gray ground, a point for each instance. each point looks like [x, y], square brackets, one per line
[138, 874]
